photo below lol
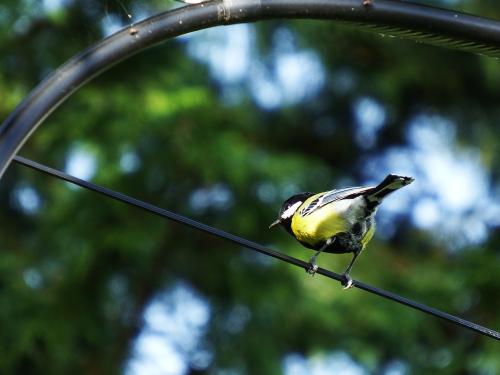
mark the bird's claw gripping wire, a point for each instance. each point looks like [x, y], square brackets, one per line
[311, 268]
[347, 282]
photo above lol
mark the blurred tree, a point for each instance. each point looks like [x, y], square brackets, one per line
[222, 125]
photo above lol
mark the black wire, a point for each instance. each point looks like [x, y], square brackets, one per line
[252, 245]
[393, 18]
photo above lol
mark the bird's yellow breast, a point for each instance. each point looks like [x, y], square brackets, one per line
[321, 224]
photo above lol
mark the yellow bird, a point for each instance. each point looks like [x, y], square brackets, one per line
[336, 221]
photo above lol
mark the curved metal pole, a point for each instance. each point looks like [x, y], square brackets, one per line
[418, 22]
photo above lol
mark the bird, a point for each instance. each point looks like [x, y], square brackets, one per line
[336, 221]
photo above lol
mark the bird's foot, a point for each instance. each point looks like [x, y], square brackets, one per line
[347, 283]
[311, 268]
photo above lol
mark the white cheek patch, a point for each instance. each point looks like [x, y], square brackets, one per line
[288, 213]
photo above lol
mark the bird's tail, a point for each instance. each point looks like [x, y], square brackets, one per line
[390, 184]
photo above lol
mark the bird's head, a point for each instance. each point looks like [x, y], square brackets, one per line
[288, 209]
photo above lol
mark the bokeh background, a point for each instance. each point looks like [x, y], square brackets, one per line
[222, 125]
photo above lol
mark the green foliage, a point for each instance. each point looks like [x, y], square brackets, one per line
[78, 271]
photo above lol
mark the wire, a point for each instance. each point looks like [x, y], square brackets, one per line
[251, 245]
[393, 18]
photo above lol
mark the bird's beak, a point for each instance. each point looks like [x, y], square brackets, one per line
[274, 223]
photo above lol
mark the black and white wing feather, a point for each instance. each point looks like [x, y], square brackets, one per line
[333, 196]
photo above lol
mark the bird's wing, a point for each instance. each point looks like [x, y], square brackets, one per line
[333, 196]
